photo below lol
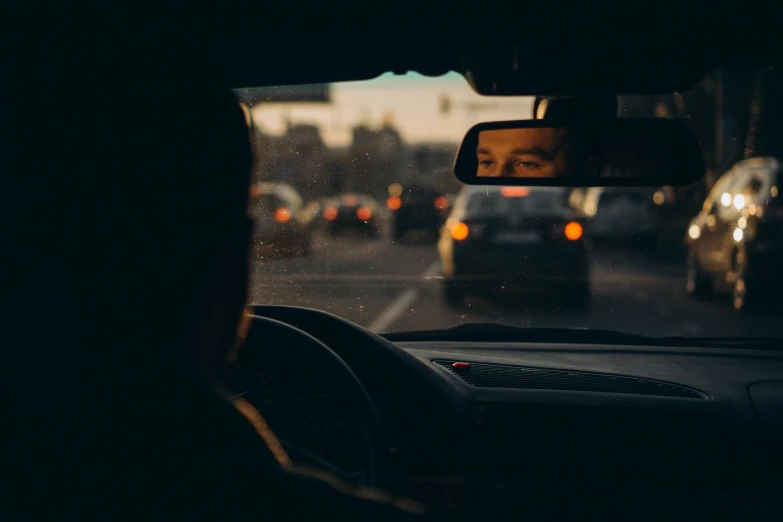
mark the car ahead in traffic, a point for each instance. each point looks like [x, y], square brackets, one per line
[735, 244]
[516, 239]
[283, 224]
[352, 213]
[620, 215]
[417, 208]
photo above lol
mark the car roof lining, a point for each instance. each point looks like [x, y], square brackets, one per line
[659, 53]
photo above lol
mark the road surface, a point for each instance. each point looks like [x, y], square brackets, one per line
[397, 287]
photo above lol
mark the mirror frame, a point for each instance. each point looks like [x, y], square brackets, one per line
[691, 164]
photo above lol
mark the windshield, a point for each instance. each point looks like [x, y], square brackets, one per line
[390, 251]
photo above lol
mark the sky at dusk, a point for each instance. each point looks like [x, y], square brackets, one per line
[412, 101]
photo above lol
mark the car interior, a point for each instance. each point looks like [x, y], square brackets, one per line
[494, 422]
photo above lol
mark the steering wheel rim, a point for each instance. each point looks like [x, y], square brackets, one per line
[266, 335]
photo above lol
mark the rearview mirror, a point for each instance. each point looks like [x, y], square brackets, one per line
[614, 152]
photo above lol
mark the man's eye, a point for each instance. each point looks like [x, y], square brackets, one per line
[486, 163]
[529, 164]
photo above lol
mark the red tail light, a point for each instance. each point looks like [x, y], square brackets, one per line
[573, 231]
[460, 231]
[282, 215]
[394, 203]
[364, 214]
[515, 192]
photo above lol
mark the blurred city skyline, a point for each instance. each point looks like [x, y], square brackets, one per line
[412, 103]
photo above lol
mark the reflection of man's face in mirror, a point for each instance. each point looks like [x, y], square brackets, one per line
[530, 153]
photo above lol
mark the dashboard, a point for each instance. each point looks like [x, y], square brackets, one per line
[490, 431]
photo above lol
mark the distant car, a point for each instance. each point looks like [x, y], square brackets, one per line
[352, 212]
[519, 239]
[417, 208]
[282, 222]
[619, 214]
[735, 244]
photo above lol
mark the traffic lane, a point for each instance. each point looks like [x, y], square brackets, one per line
[630, 294]
[387, 286]
[351, 276]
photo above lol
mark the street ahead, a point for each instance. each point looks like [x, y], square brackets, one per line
[396, 287]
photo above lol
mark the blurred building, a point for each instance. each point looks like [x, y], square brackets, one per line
[431, 164]
[298, 157]
[374, 159]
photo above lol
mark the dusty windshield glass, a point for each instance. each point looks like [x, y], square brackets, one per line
[388, 238]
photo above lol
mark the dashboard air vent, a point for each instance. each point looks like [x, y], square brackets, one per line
[482, 375]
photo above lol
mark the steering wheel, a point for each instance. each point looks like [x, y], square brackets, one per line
[285, 355]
